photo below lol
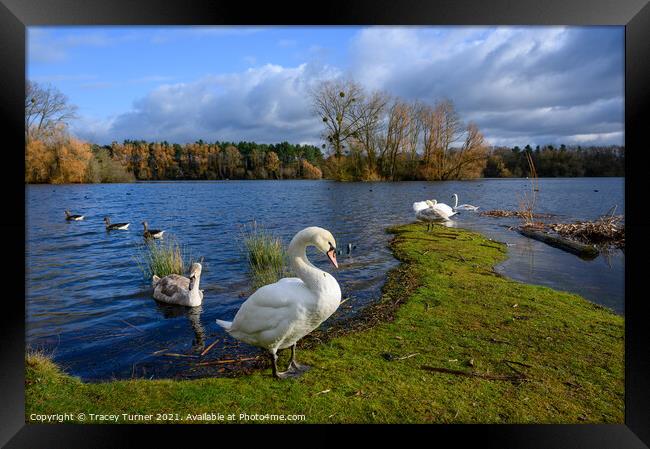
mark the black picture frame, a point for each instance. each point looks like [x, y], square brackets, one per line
[15, 15]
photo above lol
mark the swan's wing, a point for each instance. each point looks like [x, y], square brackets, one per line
[419, 206]
[173, 284]
[269, 306]
[429, 214]
[444, 209]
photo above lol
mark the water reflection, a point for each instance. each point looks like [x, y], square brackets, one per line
[193, 315]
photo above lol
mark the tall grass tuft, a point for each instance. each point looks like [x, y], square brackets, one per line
[163, 257]
[527, 201]
[265, 254]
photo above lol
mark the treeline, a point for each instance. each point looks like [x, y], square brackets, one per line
[369, 136]
[61, 159]
[217, 160]
[373, 136]
[65, 159]
[550, 161]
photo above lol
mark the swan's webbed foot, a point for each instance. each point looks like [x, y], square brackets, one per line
[294, 369]
[288, 374]
[298, 367]
[294, 365]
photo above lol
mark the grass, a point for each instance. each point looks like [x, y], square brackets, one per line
[265, 255]
[162, 257]
[454, 313]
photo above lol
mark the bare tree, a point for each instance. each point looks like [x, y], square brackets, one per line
[396, 137]
[334, 102]
[370, 116]
[46, 108]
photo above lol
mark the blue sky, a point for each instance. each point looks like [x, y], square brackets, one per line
[520, 85]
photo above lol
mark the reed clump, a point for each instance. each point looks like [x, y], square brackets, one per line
[265, 254]
[162, 258]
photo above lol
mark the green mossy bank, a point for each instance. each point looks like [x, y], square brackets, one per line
[456, 314]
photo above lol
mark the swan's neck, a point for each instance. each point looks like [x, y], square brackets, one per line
[315, 278]
[455, 200]
[195, 293]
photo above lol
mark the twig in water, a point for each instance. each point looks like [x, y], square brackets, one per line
[134, 327]
[174, 354]
[222, 362]
[206, 350]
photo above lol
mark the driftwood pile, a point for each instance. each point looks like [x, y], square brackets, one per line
[502, 213]
[583, 238]
[608, 230]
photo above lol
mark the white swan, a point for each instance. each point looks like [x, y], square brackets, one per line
[424, 212]
[175, 289]
[443, 210]
[462, 206]
[277, 315]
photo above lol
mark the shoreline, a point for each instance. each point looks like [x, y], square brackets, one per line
[456, 314]
[152, 181]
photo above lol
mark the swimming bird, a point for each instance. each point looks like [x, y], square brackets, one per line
[426, 213]
[151, 233]
[277, 315]
[70, 217]
[175, 289]
[114, 226]
[462, 206]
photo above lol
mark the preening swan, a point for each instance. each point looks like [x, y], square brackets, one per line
[462, 206]
[175, 289]
[426, 213]
[443, 209]
[114, 226]
[277, 315]
[151, 233]
[71, 217]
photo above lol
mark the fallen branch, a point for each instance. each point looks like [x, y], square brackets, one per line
[518, 378]
[206, 350]
[580, 249]
[223, 362]
[174, 354]
[519, 363]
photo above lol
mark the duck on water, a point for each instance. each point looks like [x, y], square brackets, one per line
[70, 217]
[151, 233]
[115, 226]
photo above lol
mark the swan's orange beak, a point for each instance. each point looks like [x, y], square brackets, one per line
[331, 255]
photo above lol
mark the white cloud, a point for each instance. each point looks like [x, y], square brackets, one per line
[521, 85]
[525, 83]
[266, 104]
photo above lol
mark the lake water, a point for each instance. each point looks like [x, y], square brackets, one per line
[88, 304]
